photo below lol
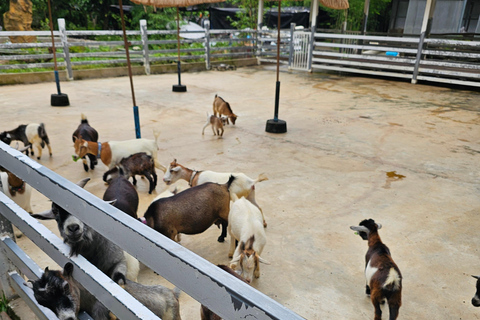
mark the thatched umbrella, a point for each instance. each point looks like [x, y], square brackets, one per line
[276, 125]
[175, 3]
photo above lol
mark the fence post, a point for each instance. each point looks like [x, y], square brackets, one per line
[207, 44]
[6, 266]
[310, 50]
[146, 60]
[66, 50]
[418, 57]
[292, 49]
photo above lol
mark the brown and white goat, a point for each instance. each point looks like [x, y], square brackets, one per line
[220, 107]
[243, 186]
[207, 314]
[31, 135]
[245, 225]
[384, 280]
[86, 132]
[216, 123]
[112, 152]
[191, 211]
[136, 164]
[66, 297]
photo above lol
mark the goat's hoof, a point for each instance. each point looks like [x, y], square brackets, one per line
[221, 239]
[38, 158]
[264, 224]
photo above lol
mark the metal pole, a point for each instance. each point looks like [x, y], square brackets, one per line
[57, 80]
[126, 43]
[178, 48]
[277, 87]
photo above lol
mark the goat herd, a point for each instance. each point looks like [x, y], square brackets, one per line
[226, 199]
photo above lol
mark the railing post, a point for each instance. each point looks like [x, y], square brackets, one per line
[290, 57]
[66, 50]
[207, 44]
[418, 57]
[146, 60]
[6, 266]
[310, 49]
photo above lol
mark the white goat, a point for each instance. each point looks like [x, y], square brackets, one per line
[245, 226]
[17, 190]
[242, 186]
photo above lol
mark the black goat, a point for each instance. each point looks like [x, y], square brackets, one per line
[32, 134]
[86, 132]
[384, 280]
[136, 164]
[123, 195]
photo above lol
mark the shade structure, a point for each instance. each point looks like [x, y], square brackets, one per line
[175, 3]
[335, 4]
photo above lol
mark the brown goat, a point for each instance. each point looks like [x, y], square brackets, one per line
[216, 123]
[220, 107]
[191, 211]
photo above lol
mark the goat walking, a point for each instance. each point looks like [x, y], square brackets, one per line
[384, 280]
[216, 123]
[31, 135]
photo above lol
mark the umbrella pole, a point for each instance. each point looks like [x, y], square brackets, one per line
[136, 116]
[179, 87]
[60, 99]
[275, 125]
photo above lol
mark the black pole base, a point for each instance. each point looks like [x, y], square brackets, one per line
[276, 126]
[59, 100]
[179, 88]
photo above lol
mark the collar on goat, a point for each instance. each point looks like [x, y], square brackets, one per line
[99, 149]
[194, 173]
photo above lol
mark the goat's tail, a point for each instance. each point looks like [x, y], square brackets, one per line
[158, 165]
[84, 119]
[156, 134]
[261, 177]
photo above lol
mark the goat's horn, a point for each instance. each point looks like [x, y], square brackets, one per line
[83, 182]
[379, 226]
[360, 228]
[263, 260]
[476, 277]
[235, 259]
[45, 215]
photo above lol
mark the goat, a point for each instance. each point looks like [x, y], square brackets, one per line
[245, 226]
[86, 132]
[383, 277]
[104, 254]
[216, 123]
[476, 297]
[17, 190]
[123, 195]
[243, 185]
[220, 106]
[191, 211]
[136, 164]
[31, 135]
[207, 314]
[66, 297]
[112, 152]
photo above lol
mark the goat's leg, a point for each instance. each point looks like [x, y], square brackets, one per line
[93, 160]
[206, 125]
[221, 134]
[134, 181]
[376, 297]
[394, 303]
[48, 146]
[222, 236]
[39, 148]
[85, 164]
[251, 198]
[367, 290]
[232, 246]
[155, 178]
[150, 180]
[213, 129]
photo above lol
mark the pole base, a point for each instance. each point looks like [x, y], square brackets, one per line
[276, 126]
[59, 100]
[179, 88]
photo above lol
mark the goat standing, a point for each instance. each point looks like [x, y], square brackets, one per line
[31, 135]
[86, 132]
[384, 280]
[216, 123]
[220, 106]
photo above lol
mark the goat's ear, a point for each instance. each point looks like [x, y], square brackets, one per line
[45, 215]
[176, 169]
[8, 135]
[175, 161]
[83, 182]
[74, 138]
[66, 287]
[235, 260]
[360, 229]
[379, 226]
[476, 277]
[29, 284]
[68, 269]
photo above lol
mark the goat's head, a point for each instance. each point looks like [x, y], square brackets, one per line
[248, 260]
[173, 172]
[57, 291]
[476, 297]
[6, 137]
[233, 117]
[365, 227]
[81, 148]
[73, 231]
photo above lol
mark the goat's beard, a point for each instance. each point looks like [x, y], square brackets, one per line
[81, 244]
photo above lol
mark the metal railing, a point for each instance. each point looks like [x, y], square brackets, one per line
[225, 295]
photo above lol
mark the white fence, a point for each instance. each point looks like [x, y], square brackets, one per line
[223, 294]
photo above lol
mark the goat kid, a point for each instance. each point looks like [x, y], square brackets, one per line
[245, 226]
[136, 164]
[383, 277]
[66, 297]
[220, 107]
[216, 123]
[17, 190]
[243, 185]
[112, 152]
[207, 314]
[191, 211]
[32, 135]
[102, 253]
[88, 133]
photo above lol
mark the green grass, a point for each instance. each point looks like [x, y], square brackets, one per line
[5, 307]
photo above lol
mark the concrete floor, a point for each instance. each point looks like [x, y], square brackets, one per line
[405, 155]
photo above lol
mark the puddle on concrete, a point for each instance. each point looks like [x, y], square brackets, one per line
[392, 176]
